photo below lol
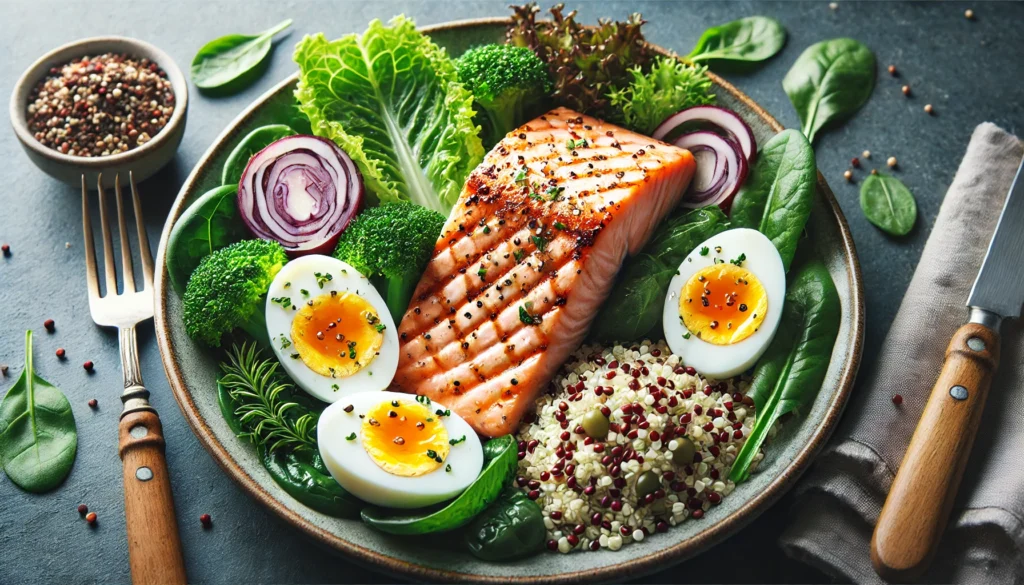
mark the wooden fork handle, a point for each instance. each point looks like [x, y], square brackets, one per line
[154, 549]
[921, 498]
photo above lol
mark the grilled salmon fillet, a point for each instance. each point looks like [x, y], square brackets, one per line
[528, 254]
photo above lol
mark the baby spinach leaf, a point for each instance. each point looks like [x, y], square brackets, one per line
[209, 224]
[390, 98]
[777, 197]
[303, 475]
[253, 142]
[38, 437]
[512, 527]
[754, 38]
[888, 204]
[829, 82]
[232, 62]
[488, 485]
[634, 308]
[790, 373]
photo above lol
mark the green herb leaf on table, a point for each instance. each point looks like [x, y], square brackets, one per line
[790, 373]
[390, 98]
[253, 142]
[650, 98]
[512, 527]
[754, 38]
[500, 462]
[829, 82]
[232, 62]
[207, 225]
[777, 196]
[888, 204]
[38, 436]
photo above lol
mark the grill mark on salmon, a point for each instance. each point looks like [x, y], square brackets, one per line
[527, 256]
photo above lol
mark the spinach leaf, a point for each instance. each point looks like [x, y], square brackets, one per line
[232, 62]
[303, 475]
[777, 197]
[209, 224]
[634, 308]
[829, 82]
[888, 204]
[38, 437]
[481, 493]
[754, 38]
[390, 98]
[253, 142]
[512, 527]
[789, 375]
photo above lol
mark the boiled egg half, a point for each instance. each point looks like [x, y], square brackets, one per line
[330, 328]
[398, 450]
[725, 302]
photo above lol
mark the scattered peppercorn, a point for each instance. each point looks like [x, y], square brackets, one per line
[866, 154]
[3, 369]
[82, 509]
[91, 518]
[100, 105]
[206, 521]
[7, 249]
[60, 352]
[48, 324]
[88, 365]
[833, 5]
[892, 71]
[874, 171]
[92, 403]
[897, 399]
[891, 162]
[906, 90]
[848, 175]
[969, 14]
[928, 109]
[855, 162]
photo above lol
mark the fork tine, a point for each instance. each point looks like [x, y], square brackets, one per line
[147, 256]
[92, 279]
[126, 251]
[108, 243]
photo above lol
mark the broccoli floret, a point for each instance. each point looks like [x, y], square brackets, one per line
[390, 245]
[227, 291]
[508, 84]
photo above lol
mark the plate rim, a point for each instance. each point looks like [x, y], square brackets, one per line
[630, 567]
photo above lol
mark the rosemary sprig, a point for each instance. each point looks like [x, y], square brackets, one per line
[256, 387]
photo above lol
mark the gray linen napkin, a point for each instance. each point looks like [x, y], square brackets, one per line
[839, 502]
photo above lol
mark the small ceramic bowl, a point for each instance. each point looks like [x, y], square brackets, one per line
[142, 161]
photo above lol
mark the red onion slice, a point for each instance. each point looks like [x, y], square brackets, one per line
[301, 191]
[714, 187]
[712, 118]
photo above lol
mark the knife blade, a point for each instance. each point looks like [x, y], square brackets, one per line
[999, 287]
[920, 500]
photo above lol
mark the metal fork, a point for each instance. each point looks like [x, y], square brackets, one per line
[153, 544]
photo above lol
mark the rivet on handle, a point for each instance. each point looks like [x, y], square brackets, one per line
[143, 474]
[958, 392]
[139, 431]
[976, 344]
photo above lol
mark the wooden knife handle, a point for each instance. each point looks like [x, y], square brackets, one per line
[154, 549]
[921, 498]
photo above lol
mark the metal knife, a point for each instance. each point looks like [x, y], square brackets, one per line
[921, 498]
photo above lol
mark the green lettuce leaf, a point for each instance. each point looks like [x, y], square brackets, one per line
[390, 99]
[650, 98]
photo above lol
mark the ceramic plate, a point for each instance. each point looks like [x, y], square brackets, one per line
[192, 371]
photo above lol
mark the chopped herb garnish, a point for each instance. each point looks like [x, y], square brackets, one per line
[536, 197]
[526, 317]
[295, 356]
[554, 192]
[445, 412]
[448, 468]
[322, 278]
[520, 176]
[352, 350]
[739, 261]
[482, 272]
[335, 387]
[351, 437]
[285, 342]
[570, 144]
[283, 301]
[686, 335]
[704, 250]
[423, 399]
[519, 254]
[380, 327]
[559, 225]
[540, 242]
[487, 229]
[433, 455]
[454, 442]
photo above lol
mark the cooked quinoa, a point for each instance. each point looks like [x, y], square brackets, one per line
[587, 488]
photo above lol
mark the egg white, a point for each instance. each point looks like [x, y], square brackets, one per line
[353, 468]
[299, 274]
[764, 262]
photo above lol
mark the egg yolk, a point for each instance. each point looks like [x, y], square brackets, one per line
[723, 304]
[404, 437]
[337, 334]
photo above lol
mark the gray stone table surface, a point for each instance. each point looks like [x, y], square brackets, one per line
[971, 71]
